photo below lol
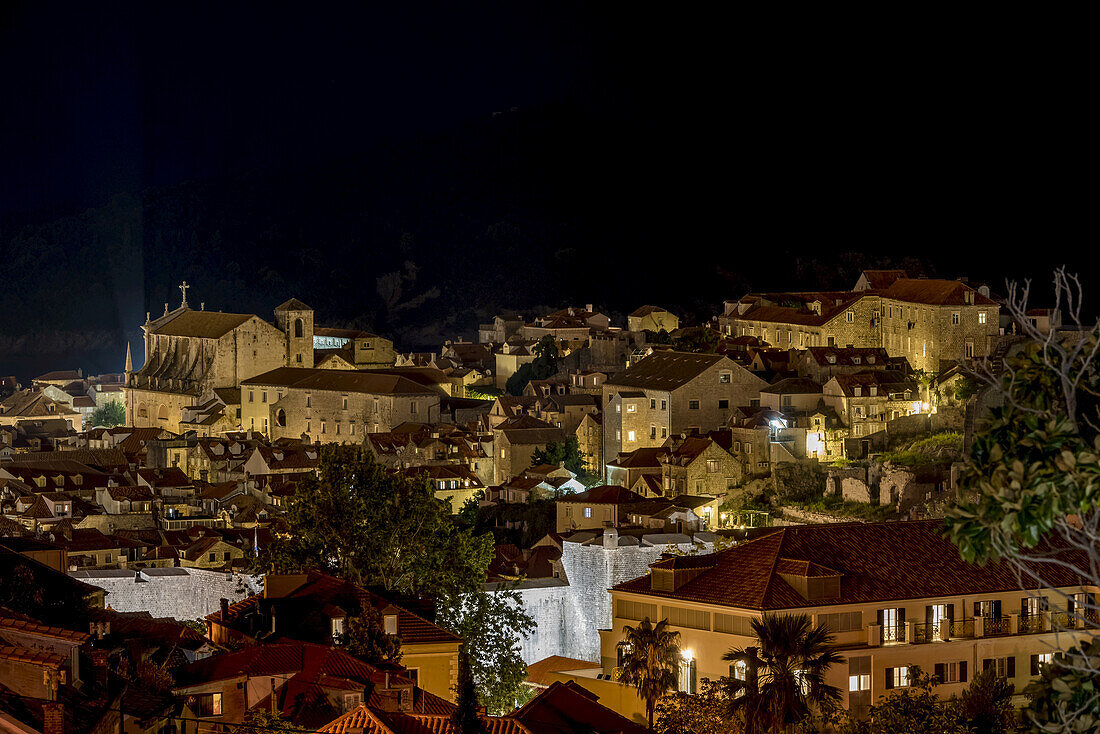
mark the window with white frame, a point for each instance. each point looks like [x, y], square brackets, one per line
[981, 317]
[588, 512]
[897, 677]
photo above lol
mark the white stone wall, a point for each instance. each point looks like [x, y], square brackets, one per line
[181, 593]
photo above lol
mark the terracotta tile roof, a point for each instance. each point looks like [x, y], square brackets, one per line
[33, 657]
[201, 324]
[320, 589]
[878, 562]
[667, 370]
[371, 382]
[793, 386]
[36, 628]
[886, 382]
[58, 375]
[292, 305]
[934, 292]
[278, 658]
[848, 355]
[878, 279]
[539, 672]
[639, 458]
[567, 707]
[607, 494]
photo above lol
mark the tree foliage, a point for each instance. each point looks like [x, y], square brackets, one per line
[1032, 486]
[703, 713]
[110, 415]
[261, 721]
[492, 625]
[1063, 697]
[371, 526]
[544, 366]
[567, 453]
[653, 652]
[464, 718]
[784, 676]
[365, 637]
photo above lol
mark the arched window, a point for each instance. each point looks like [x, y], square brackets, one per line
[280, 418]
[162, 413]
[297, 327]
[143, 412]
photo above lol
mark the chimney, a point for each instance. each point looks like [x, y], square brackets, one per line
[589, 308]
[98, 659]
[225, 608]
[53, 717]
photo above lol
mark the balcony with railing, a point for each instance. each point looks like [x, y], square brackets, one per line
[1031, 623]
[926, 633]
[997, 626]
[962, 628]
[893, 633]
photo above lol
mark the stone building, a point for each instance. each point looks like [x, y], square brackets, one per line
[698, 466]
[931, 323]
[329, 406]
[652, 318]
[188, 354]
[865, 401]
[595, 508]
[589, 435]
[669, 393]
[515, 441]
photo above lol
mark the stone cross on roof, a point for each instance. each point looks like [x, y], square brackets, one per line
[183, 289]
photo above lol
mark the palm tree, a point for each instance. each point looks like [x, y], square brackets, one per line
[784, 676]
[651, 655]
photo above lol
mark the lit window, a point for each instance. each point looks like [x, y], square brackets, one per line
[631, 408]
[981, 317]
[850, 316]
[389, 624]
[630, 435]
[860, 682]
[897, 677]
[337, 627]
[588, 512]
[724, 377]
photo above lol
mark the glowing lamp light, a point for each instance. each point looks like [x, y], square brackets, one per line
[924, 406]
[687, 654]
[776, 423]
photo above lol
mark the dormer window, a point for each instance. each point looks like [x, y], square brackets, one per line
[857, 391]
[870, 359]
[831, 359]
[873, 390]
[389, 624]
[337, 624]
[855, 360]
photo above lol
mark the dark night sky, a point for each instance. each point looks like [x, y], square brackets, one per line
[738, 140]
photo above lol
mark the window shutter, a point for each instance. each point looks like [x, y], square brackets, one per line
[940, 672]
[901, 616]
[1011, 666]
[889, 678]
[951, 612]
[1035, 665]
[997, 609]
[987, 663]
[962, 671]
[878, 617]
[928, 615]
[977, 609]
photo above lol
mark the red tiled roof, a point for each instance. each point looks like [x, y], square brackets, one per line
[32, 657]
[606, 494]
[934, 292]
[876, 561]
[539, 672]
[567, 707]
[35, 628]
[666, 370]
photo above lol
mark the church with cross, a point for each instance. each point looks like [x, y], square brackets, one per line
[192, 355]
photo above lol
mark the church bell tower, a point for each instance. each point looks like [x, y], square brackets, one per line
[295, 319]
